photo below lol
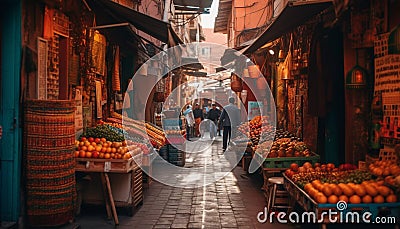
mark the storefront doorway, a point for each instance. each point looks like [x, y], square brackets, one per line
[10, 143]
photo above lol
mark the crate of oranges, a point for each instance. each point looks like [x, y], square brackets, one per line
[100, 155]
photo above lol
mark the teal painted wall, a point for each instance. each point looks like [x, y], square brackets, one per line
[10, 170]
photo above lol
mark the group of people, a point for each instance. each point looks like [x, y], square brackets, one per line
[217, 120]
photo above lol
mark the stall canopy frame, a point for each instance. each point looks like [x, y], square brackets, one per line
[293, 14]
[108, 12]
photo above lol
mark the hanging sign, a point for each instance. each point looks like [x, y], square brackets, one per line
[79, 110]
[41, 82]
[387, 75]
[254, 109]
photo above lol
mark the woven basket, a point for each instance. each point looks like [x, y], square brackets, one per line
[49, 136]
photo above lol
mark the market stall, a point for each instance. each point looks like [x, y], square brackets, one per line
[319, 188]
[115, 156]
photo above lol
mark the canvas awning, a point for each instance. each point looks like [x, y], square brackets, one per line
[293, 14]
[109, 12]
[224, 14]
[119, 33]
[193, 6]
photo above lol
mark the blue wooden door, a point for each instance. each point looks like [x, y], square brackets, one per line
[10, 175]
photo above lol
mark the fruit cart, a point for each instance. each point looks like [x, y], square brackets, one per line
[304, 200]
[126, 174]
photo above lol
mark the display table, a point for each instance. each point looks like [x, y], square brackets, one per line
[300, 197]
[107, 168]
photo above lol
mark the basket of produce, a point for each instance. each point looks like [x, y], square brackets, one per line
[104, 149]
[284, 152]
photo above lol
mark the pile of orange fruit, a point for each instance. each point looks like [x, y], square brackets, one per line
[101, 148]
[366, 192]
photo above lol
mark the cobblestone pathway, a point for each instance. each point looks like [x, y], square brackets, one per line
[231, 202]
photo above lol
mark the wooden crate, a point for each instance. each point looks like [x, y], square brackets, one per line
[285, 162]
[105, 165]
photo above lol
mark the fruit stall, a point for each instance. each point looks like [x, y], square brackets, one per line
[322, 187]
[286, 148]
[114, 157]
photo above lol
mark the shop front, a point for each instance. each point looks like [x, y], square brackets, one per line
[10, 111]
[326, 72]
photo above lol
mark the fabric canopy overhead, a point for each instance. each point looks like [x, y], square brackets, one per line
[108, 12]
[199, 6]
[194, 3]
[295, 13]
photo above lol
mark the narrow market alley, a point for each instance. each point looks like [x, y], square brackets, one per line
[276, 114]
[232, 202]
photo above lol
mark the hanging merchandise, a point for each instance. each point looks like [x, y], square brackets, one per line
[98, 45]
[246, 73]
[159, 95]
[254, 71]
[236, 83]
[261, 80]
[261, 83]
[116, 84]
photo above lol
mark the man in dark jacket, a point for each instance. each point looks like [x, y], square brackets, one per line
[230, 119]
[213, 115]
[198, 117]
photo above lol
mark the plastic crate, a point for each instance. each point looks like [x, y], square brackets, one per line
[285, 162]
[163, 151]
[388, 154]
[170, 122]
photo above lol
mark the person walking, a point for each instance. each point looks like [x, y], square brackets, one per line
[198, 117]
[219, 128]
[230, 120]
[188, 113]
[213, 115]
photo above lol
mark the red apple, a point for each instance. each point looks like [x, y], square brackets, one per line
[95, 154]
[91, 139]
[294, 167]
[330, 165]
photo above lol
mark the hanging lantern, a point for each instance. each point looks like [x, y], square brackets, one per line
[356, 78]
[236, 83]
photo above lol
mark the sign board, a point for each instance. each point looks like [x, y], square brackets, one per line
[79, 109]
[41, 82]
[387, 75]
[254, 109]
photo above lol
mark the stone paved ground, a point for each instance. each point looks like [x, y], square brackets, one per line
[232, 202]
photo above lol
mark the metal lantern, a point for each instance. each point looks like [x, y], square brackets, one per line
[356, 78]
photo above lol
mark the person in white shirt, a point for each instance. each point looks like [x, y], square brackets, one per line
[188, 113]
